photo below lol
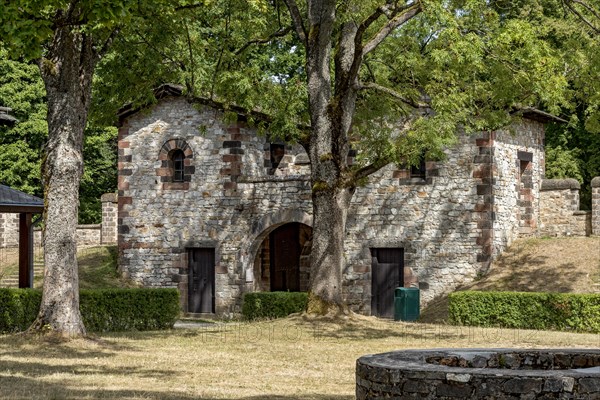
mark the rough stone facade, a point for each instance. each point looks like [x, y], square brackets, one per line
[559, 209]
[109, 218]
[596, 206]
[479, 374]
[9, 230]
[236, 188]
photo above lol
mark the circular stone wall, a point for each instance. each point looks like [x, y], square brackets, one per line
[480, 374]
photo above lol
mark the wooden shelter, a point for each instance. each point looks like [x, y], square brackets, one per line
[14, 201]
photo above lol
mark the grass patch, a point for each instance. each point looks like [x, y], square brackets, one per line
[552, 265]
[290, 358]
[97, 267]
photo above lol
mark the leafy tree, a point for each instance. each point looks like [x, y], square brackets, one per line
[99, 173]
[21, 146]
[66, 38]
[390, 79]
[424, 69]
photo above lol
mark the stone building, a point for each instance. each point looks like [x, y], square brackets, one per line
[217, 210]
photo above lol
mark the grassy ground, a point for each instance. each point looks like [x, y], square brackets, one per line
[293, 358]
[565, 265]
[97, 267]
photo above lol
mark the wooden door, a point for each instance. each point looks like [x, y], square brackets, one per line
[387, 266]
[201, 281]
[285, 258]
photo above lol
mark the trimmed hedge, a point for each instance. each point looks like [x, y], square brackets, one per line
[102, 310]
[258, 305]
[546, 311]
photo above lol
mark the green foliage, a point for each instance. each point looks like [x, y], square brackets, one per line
[99, 172]
[21, 146]
[103, 310]
[106, 310]
[18, 309]
[257, 305]
[547, 311]
[572, 152]
[22, 89]
[563, 163]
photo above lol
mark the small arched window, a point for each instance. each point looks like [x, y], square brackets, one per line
[177, 159]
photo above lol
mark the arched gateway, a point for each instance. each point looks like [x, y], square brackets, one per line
[282, 260]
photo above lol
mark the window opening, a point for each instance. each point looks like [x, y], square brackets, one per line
[177, 159]
[277, 151]
[419, 171]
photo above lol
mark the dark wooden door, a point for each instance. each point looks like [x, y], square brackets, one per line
[387, 266]
[201, 281]
[285, 258]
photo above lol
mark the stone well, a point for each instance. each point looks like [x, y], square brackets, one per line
[480, 374]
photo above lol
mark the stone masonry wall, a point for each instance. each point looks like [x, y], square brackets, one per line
[596, 206]
[519, 164]
[559, 209]
[9, 230]
[109, 218]
[234, 197]
[87, 235]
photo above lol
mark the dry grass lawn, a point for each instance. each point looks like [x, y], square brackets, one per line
[293, 358]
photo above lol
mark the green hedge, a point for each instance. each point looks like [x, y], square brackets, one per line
[258, 305]
[547, 311]
[102, 310]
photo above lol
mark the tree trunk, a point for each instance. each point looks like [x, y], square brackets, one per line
[331, 117]
[67, 73]
[330, 207]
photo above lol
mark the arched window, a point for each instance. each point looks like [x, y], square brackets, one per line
[177, 159]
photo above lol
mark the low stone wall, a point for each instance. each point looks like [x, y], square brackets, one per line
[559, 209]
[87, 235]
[596, 206]
[480, 374]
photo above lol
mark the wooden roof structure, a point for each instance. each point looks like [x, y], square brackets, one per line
[15, 201]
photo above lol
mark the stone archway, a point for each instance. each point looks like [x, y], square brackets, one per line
[282, 262]
[260, 253]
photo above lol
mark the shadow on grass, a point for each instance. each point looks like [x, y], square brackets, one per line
[28, 346]
[20, 387]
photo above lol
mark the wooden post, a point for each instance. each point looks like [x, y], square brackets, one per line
[24, 250]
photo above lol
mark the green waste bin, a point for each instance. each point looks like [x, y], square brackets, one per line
[406, 304]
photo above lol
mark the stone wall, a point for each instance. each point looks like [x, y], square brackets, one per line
[87, 235]
[596, 206]
[519, 166]
[559, 209]
[9, 230]
[479, 374]
[109, 218]
[239, 187]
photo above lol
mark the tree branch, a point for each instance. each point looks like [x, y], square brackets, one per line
[397, 20]
[296, 19]
[570, 6]
[280, 33]
[391, 92]
[370, 169]
[107, 43]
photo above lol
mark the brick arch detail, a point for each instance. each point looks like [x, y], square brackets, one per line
[165, 173]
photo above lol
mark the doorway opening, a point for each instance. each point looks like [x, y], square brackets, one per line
[282, 262]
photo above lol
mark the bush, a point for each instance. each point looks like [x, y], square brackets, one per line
[273, 304]
[547, 311]
[102, 310]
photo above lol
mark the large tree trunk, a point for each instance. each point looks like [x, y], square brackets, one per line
[67, 73]
[331, 118]
[330, 208]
